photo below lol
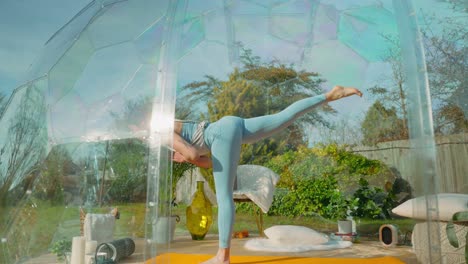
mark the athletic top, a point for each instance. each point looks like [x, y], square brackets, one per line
[193, 133]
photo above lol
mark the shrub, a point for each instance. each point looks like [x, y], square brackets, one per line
[311, 196]
[61, 247]
[328, 180]
[372, 202]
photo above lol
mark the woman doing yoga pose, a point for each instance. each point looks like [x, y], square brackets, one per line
[223, 139]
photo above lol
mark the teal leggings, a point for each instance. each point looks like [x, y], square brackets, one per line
[224, 138]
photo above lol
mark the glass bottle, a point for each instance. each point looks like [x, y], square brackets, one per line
[199, 214]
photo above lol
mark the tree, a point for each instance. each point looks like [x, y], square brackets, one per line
[2, 104]
[447, 65]
[24, 147]
[49, 185]
[342, 131]
[450, 119]
[252, 90]
[393, 96]
[128, 160]
[382, 124]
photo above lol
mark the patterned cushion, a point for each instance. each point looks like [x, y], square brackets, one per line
[449, 254]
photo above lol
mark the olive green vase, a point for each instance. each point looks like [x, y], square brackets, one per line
[199, 214]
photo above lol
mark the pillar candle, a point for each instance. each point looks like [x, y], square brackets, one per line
[78, 250]
[89, 259]
[90, 248]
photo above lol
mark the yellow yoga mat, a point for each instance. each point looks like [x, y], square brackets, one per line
[175, 258]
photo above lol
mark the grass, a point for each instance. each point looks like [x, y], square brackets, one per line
[36, 227]
[369, 229]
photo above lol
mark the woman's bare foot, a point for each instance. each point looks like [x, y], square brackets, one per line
[222, 257]
[339, 92]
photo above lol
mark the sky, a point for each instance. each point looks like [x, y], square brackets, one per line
[25, 25]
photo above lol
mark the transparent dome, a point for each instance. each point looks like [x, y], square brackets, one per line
[77, 136]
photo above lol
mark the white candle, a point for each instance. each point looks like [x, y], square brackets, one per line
[89, 259]
[90, 248]
[78, 250]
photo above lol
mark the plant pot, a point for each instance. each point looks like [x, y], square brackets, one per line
[345, 226]
[164, 229]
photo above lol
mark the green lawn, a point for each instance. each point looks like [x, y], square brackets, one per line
[36, 227]
[368, 229]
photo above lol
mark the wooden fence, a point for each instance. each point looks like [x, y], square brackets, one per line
[451, 161]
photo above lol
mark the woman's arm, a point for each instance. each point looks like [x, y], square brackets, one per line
[202, 161]
[189, 153]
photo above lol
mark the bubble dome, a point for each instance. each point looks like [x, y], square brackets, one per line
[76, 102]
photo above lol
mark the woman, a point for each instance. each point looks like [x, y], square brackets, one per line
[223, 139]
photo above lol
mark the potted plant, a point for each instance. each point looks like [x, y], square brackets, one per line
[167, 221]
[62, 249]
[345, 222]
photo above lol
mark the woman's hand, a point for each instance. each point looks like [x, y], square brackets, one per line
[178, 157]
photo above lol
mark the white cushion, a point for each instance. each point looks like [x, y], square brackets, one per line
[295, 235]
[448, 203]
[99, 227]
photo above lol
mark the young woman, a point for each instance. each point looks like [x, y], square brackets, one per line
[223, 139]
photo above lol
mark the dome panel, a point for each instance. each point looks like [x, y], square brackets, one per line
[293, 28]
[361, 26]
[69, 68]
[349, 69]
[325, 24]
[67, 118]
[149, 42]
[124, 21]
[293, 7]
[193, 34]
[107, 74]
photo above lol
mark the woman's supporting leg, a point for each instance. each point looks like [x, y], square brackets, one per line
[225, 142]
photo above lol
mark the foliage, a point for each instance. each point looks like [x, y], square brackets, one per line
[178, 170]
[348, 161]
[382, 124]
[312, 196]
[446, 53]
[128, 161]
[446, 61]
[49, 184]
[299, 164]
[342, 130]
[323, 180]
[327, 160]
[3, 104]
[255, 89]
[24, 146]
[371, 202]
[60, 247]
[450, 119]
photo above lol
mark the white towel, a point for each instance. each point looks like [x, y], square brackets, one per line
[256, 183]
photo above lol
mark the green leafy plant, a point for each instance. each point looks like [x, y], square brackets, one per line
[178, 170]
[372, 202]
[310, 197]
[61, 247]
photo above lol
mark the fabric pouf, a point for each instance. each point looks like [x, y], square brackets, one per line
[449, 254]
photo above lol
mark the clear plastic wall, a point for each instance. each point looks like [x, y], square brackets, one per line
[90, 129]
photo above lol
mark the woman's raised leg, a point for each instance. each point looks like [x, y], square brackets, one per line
[264, 126]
